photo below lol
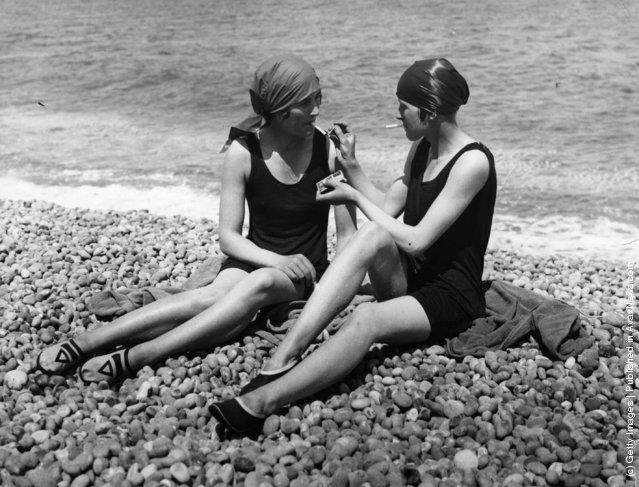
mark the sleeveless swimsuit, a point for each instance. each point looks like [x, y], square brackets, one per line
[285, 218]
[446, 278]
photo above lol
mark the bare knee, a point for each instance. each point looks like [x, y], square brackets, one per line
[261, 280]
[364, 321]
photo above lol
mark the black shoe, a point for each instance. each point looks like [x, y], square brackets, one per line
[236, 417]
[69, 355]
[265, 377]
[111, 367]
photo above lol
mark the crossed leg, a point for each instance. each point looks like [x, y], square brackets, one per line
[371, 250]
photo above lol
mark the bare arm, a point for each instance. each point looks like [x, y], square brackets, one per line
[466, 178]
[395, 198]
[237, 167]
[345, 214]
[354, 173]
[393, 201]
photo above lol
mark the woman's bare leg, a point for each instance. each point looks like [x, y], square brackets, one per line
[371, 250]
[160, 316]
[222, 321]
[148, 321]
[397, 321]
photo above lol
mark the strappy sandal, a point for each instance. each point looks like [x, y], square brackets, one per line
[237, 416]
[68, 355]
[107, 367]
[264, 377]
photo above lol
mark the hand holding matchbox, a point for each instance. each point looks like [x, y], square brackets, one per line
[336, 176]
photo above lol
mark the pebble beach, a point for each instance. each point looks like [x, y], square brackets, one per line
[409, 416]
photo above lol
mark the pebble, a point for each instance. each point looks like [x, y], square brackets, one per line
[465, 460]
[344, 446]
[271, 425]
[40, 436]
[612, 318]
[15, 379]
[537, 468]
[81, 481]
[403, 400]
[41, 477]
[243, 464]
[180, 472]
[290, 425]
[453, 408]
[360, 403]
[590, 469]
[553, 474]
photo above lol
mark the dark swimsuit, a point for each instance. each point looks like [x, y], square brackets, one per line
[285, 218]
[446, 278]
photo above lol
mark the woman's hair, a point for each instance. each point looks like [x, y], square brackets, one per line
[434, 86]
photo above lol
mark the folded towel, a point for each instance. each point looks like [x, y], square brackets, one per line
[108, 304]
[514, 314]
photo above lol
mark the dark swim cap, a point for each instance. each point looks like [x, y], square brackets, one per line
[433, 85]
[280, 82]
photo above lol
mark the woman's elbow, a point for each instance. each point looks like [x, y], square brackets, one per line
[226, 239]
[413, 247]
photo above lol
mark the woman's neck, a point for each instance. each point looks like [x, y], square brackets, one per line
[281, 141]
[444, 139]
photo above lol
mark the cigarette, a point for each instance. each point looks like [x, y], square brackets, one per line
[393, 126]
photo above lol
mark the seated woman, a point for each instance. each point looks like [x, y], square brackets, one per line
[426, 271]
[274, 168]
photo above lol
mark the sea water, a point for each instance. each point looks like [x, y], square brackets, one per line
[123, 104]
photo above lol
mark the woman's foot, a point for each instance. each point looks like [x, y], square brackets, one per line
[60, 358]
[236, 416]
[264, 377]
[109, 368]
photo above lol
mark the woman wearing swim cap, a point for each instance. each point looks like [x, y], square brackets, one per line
[425, 269]
[273, 166]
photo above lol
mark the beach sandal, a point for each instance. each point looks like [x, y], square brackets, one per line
[236, 416]
[264, 377]
[69, 354]
[108, 367]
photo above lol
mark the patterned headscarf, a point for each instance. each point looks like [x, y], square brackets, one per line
[279, 83]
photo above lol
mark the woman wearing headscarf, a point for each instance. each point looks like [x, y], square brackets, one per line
[272, 165]
[425, 269]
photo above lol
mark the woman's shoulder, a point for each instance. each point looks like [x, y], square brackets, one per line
[473, 150]
[238, 157]
[472, 165]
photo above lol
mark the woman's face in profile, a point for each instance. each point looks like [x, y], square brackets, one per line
[302, 115]
[414, 127]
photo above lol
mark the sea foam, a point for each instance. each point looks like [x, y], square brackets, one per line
[552, 234]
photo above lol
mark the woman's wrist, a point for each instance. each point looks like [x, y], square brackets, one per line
[350, 163]
[357, 197]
